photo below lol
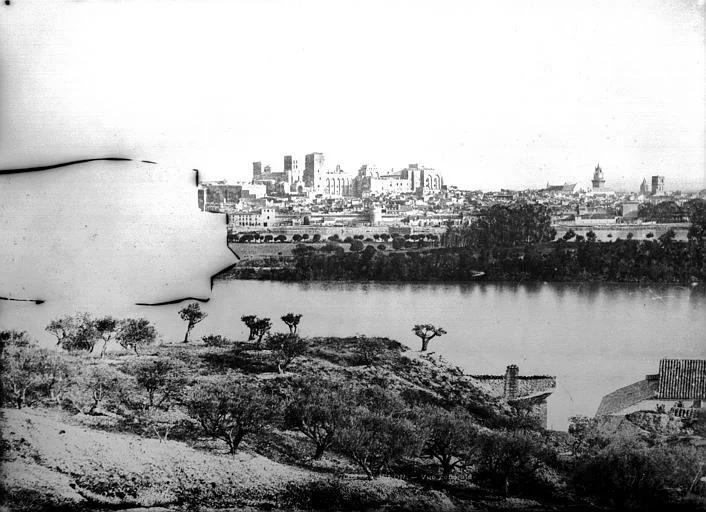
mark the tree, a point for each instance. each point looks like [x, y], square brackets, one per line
[134, 333]
[569, 235]
[162, 379]
[317, 238]
[505, 460]
[229, 411]
[319, 410]
[374, 441]
[281, 238]
[261, 327]
[95, 386]
[249, 321]
[398, 243]
[292, 321]
[61, 328]
[29, 372]
[450, 437]
[357, 246]
[296, 237]
[426, 333]
[285, 348]
[191, 314]
[591, 236]
[75, 333]
[106, 328]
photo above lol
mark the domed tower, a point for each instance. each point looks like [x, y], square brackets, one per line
[598, 180]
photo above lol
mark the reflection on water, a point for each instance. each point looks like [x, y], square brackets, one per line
[593, 337]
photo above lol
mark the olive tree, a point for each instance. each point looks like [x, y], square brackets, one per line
[192, 315]
[134, 333]
[427, 332]
[449, 437]
[249, 321]
[106, 328]
[230, 411]
[285, 349]
[319, 410]
[292, 321]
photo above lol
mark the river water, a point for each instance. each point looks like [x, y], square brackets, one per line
[593, 338]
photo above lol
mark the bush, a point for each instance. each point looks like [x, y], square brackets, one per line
[357, 246]
[285, 349]
[163, 380]
[381, 247]
[449, 437]
[398, 243]
[331, 494]
[216, 340]
[626, 474]
[30, 373]
[348, 240]
[230, 411]
[319, 410]
[374, 440]
[510, 460]
[97, 389]
[14, 338]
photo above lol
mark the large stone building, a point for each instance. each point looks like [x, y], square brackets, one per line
[679, 388]
[317, 179]
[512, 388]
[413, 178]
[657, 185]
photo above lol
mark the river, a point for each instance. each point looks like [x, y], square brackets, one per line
[593, 337]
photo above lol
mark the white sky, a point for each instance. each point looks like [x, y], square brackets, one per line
[492, 94]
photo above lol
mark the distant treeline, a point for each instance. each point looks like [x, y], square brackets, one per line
[512, 243]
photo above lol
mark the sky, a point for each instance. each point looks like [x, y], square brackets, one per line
[491, 94]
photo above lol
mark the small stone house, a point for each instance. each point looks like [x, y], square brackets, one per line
[512, 387]
[678, 389]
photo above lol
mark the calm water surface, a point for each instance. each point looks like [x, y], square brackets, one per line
[594, 338]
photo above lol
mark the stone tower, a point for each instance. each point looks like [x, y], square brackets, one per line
[598, 180]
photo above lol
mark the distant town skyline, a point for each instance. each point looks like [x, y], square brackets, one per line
[492, 95]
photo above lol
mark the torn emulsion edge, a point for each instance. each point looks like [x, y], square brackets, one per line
[117, 159]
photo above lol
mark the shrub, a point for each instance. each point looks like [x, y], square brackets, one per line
[319, 410]
[374, 441]
[449, 437]
[229, 411]
[14, 338]
[510, 460]
[381, 247]
[626, 474]
[216, 340]
[29, 373]
[369, 350]
[316, 238]
[96, 389]
[163, 380]
[348, 240]
[285, 349]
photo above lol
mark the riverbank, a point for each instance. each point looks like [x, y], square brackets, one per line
[664, 261]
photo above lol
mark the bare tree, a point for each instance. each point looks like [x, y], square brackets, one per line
[427, 332]
[193, 315]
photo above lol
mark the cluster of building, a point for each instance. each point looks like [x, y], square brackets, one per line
[415, 198]
[316, 179]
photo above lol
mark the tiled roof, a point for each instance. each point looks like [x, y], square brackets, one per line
[627, 396]
[682, 379]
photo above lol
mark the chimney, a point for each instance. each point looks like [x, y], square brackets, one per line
[510, 391]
